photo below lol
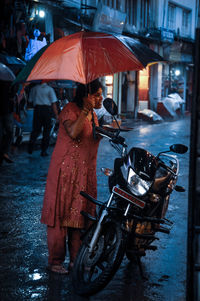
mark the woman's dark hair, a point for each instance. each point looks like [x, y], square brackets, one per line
[83, 90]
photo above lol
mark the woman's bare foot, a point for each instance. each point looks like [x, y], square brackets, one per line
[58, 268]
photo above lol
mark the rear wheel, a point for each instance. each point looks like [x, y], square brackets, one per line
[92, 272]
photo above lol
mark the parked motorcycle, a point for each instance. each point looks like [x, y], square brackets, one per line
[140, 188]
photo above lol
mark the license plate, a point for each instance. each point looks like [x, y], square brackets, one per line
[128, 197]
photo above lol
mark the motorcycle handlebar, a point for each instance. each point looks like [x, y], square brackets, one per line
[167, 168]
[100, 130]
[115, 138]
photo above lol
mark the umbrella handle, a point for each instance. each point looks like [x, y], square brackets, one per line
[93, 127]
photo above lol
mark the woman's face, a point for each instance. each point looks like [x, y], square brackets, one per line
[98, 98]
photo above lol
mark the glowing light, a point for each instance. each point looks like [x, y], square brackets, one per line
[41, 13]
[109, 79]
[177, 72]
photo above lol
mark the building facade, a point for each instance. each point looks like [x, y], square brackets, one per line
[166, 26]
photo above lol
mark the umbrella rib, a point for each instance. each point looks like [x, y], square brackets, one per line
[82, 54]
[107, 59]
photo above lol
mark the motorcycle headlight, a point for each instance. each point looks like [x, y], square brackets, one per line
[137, 185]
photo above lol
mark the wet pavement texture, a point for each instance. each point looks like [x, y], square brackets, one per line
[23, 247]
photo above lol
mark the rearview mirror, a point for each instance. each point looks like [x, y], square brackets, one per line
[179, 148]
[110, 106]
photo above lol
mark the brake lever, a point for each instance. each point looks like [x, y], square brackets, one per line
[114, 138]
[119, 140]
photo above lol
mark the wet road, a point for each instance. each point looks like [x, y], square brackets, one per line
[23, 249]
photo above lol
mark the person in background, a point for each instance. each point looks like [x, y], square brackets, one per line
[44, 99]
[35, 44]
[6, 120]
[103, 116]
[72, 169]
[22, 39]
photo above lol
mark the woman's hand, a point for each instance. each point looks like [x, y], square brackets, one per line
[75, 128]
[89, 102]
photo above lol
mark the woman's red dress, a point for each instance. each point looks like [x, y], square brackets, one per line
[72, 169]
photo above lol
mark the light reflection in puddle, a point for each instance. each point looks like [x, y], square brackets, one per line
[172, 207]
[145, 130]
[35, 295]
[35, 276]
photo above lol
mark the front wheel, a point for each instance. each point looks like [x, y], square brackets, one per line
[93, 271]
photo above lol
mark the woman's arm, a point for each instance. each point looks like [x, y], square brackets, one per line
[74, 128]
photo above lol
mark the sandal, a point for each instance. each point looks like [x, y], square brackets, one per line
[58, 268]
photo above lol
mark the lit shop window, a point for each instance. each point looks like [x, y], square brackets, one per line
[144, 84]
[109, 85]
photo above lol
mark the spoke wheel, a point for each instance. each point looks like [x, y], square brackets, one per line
[93, 271]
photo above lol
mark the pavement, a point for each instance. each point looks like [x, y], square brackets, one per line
[23, 247]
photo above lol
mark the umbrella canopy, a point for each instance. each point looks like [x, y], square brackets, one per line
[141, 51]
[6, 74]
[83, 57]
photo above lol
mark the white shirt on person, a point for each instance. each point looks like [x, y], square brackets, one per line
[42, 94]
[33, 47]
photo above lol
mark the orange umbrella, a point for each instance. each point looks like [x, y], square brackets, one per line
[81, 57]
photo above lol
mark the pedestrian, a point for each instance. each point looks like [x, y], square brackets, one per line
[36, 42]
[6, 120]
[44, 99]
[72, 169]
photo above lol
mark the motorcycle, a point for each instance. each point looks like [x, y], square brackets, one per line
[140, 187]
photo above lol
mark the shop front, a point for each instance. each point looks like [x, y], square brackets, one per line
[177, 73]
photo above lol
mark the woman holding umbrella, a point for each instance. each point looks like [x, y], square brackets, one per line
[87, 55]
[72, 169]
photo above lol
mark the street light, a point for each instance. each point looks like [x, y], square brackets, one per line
[177, 72]
[41, 13]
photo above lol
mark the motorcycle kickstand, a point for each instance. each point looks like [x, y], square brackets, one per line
[140, 268]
